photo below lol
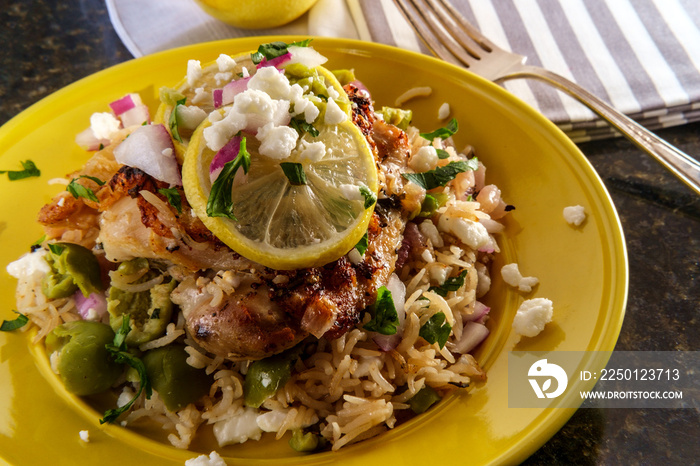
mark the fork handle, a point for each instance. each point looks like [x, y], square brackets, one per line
[679, 163]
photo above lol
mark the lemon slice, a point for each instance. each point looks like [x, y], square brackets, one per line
[282, 225]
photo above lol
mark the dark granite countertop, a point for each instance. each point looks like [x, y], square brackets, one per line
[47, 44]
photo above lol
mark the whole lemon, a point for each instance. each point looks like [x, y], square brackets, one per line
[256, 14]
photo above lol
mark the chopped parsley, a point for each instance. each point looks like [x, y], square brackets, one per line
[220, 203]
[301, 127]
[436, 329]
[444, 132]
[119, 351]
[294, 172]
[14, 324]
[440, 176]
[29, 170]
[385, 319]
[370, 197]
[362, 245]
[451, 284]
[173, 197]
[78, 190]
[172, 122]
[275, 49]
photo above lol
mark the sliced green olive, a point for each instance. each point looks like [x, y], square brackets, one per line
[73, 267]
[424, 399]
[266, 376]
[79, 356]
[305, 442]
[149, 311]
[177, 383]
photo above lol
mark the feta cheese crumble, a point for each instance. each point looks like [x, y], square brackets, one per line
[29, 264]
[84, 436]
[471, 233]
[104, 125]
[512, 276]
[444, 111]
[203, 460]
[532, 316]
[194, 72]
[225, 63]
[574, 215]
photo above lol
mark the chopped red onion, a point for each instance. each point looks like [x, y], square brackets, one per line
[361, 86]
[136, 116]
[150, 148]
[232, 89]
[277, 61]
[481, 310]
[94, 307]
[306, 56]
[226, 154]
[473, 334]
[86, 140]
[218, 97]
[125, 104]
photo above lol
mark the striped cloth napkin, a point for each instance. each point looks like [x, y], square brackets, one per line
[642, 56]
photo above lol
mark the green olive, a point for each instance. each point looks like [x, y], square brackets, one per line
[73, 267]
[81, 361]
[266, 376]
[306, 442]
[177, 383]
[149, 311]
[424, 399]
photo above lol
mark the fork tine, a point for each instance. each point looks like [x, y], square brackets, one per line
[432, 35]
[466, 27]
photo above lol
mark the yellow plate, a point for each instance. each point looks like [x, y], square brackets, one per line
[582, 270]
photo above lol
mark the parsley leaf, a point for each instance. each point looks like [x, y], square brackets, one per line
[172, 122]
[119, 351]
[275, 49]
[29, 170]
[440, 176]
[78, 190]
[436, 330]
[220, 203]
[370, 197]
[173, 197]
[385, 319]
[10, 325]
[294, 172]
[362, 245]
[301, 127]
[451, 284]
[443, 133]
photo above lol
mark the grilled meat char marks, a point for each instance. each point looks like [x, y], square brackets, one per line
[322, 301]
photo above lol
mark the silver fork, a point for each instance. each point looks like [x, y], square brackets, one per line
[450, 37]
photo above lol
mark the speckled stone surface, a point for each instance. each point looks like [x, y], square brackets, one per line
[47, 45]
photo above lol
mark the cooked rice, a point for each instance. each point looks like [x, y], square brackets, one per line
[348, 388]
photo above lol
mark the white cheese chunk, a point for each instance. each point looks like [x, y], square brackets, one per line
[225, 63]
[104, 125]
[334, 114]
[203, 460]
[277, 142]
[532, 316]
[512, 276]
[29, 264]
[574, 215]
[194, 72]
[238, 428]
